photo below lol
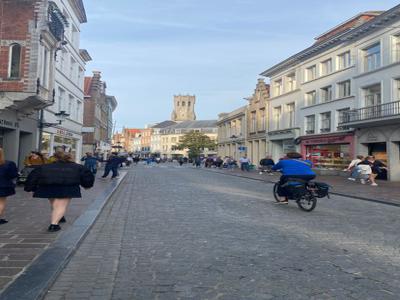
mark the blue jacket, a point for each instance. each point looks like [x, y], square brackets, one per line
[294, 167]
[8, 172]
[90, 162]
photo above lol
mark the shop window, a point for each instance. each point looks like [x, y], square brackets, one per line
[310, 124]
[326, 122]
[332, 156]
[326, 94]
[311, 98]
[344, 88]
[14, 67]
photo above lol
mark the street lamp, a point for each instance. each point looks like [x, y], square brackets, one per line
[60, 117]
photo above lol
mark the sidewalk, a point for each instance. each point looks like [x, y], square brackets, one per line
[25, 237]
[384, 192]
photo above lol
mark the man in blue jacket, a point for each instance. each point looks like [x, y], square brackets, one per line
[90, 162]
[293, 166]
[112, 164]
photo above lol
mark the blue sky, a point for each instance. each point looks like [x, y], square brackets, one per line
[149, 50]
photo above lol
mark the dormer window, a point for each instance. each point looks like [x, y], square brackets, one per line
[14, 66]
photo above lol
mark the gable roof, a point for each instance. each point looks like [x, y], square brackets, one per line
[164, 124]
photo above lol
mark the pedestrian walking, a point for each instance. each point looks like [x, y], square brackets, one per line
[34, 159]
[59, 182]
[353, 168]
[90, 162]
[112, 164]
[8, 172]
[244, 163]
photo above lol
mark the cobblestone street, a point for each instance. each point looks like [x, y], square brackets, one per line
[182, 233]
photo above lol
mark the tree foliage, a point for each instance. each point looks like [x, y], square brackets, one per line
[196, 142]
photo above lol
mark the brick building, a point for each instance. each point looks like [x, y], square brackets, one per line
[31, 33]
[97, 117]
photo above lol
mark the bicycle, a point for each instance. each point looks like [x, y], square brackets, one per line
[304, 193]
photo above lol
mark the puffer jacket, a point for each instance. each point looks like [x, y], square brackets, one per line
[59, 174]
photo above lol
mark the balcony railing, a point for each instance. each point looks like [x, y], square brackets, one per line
[371, 112]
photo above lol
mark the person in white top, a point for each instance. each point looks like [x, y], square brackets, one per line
[353, 167]
[365, 172]
[244, 163]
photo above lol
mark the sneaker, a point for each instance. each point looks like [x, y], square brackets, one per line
[63, 220]
[54, 228]
[374, 184]
[282, 202]
[351, 178]
[362, 181]
[3, 221]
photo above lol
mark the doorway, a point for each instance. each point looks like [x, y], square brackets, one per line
[380, 152]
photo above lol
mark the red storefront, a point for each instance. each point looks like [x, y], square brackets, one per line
[333, 151]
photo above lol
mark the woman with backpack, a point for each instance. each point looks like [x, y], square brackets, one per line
[59, 182]
[8, 172]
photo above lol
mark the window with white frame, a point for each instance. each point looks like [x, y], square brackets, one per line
[344, 60]
[344, 88]
[326, 94]
[326, 122]
[72, 68]
[291, 82]
[78, 111]
[326, 67]
[311, 73]
[14, 64]
[253, 125]
[397, 89]
[372, 57]
[310, 124]
[342, 115]
[290, 109]
[277, 112]
[311, 98]
[372, 95]
[262, 119]
[45, 67]
[70, 110]
[60, 99]
[396, 48]
[278, 87]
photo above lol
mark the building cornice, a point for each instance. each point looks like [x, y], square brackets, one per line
[79, 9]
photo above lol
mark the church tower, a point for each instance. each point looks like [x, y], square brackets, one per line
[184, 108]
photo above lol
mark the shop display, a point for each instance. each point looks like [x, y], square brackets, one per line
[333, 157]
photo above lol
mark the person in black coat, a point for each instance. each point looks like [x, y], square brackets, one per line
[8, 172]
[59, 182]
[112, 164]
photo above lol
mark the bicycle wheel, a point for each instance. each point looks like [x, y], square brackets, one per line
[276, 196]
[307, 202]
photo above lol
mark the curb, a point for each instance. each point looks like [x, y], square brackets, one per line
[37, 278]
[385, 202]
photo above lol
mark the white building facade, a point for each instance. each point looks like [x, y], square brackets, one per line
[68, 89]
[340, 97]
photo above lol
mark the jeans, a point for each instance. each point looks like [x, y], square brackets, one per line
[107, 170]
[245, 166]
[355, 173]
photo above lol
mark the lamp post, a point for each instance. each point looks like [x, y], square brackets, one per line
[61, 116]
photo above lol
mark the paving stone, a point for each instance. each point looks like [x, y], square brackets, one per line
[180, 233]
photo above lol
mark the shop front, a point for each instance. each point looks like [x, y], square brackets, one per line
[384, 143]
[281, 142]
[17, 136]
[330, 152]
[70, 142]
